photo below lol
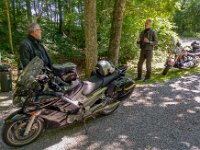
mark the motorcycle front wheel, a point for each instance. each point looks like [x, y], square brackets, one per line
[166, 69]
[13, 133]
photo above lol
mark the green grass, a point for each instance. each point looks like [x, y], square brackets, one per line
[157, 76]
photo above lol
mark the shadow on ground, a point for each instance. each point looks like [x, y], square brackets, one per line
[156, 117]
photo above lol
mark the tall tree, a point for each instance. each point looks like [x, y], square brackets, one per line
[116, 29]
[90, 35]
[13, 15]
[28, 9]
[60, 17]
[6, 2]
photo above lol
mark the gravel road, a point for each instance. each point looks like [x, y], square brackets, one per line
[156, 117]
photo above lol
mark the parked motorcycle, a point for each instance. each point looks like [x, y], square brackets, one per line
[181, 59]
[52, 98]
[195, 46]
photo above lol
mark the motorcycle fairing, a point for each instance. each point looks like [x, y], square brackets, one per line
[16, 115]
[26, 81]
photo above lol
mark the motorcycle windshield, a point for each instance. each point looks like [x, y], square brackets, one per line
[26, 80]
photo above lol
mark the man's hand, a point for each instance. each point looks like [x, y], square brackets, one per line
[146, 40]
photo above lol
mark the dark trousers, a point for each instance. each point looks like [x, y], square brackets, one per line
[148, 55]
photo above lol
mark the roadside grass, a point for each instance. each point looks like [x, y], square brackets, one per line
[157, 76]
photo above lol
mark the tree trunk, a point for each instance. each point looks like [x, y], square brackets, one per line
[13, 16]
[60, 17]
[116, 30]
[90, 36]
[9, 24]
[28, 9]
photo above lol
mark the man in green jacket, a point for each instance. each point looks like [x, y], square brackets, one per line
[147, 40]
[31, 46]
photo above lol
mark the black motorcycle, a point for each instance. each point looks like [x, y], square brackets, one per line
[52, 98]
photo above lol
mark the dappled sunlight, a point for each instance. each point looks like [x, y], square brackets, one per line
[189, 146]
[197, 99]
[177, 86]
[191, 111]
[69, 142]
[147, 101]
[167, 99]
[173, 113]
[181, 115]
[175, 93]
[5, 103]
[3, 97]
[155, 117]
[166, 104]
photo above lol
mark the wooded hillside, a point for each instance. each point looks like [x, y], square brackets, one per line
[84, 30]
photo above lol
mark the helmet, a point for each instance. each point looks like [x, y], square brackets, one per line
[104, 68]
[195, 45]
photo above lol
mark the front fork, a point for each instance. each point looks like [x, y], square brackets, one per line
[31, 121]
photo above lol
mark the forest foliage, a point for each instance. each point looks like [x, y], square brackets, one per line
[63, 25]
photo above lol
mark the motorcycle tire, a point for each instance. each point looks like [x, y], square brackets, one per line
[166, 69]
[123, 95]
[109, 111]
[12, 133]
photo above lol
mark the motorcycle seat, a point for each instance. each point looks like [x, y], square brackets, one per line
[91, 85]
[96, 81]
[64, 68]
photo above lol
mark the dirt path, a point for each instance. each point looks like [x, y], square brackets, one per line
[188, 41]
[156, 117]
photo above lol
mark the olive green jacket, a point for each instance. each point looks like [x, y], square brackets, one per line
[151, 35]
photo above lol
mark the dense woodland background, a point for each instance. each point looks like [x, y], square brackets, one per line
[83, 31]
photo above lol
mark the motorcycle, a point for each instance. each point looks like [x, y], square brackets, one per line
[53, 98]
[194, 49]
[181, 59]
[195, 46]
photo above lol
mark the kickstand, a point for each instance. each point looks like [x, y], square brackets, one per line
[85, 126]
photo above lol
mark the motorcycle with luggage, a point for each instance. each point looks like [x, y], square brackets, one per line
[181, 59]
[54, 97]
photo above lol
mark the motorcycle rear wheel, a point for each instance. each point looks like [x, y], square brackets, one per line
[13, 133]
[166, 69]
[108, 111]
[122, 95]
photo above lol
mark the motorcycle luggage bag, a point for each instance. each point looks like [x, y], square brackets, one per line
[117, 87]
[67, 71]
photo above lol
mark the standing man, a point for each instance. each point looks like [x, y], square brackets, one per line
[31, 47]
[147, 40]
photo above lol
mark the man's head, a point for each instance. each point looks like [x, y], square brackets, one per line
[148, 24]
[35, 30]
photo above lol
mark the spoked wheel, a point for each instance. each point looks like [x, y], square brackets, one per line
[166, 69]
[13, 133]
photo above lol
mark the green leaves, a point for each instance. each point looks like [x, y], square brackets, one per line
[188, 18]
